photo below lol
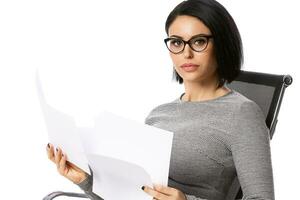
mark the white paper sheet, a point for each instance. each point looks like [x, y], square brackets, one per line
[115, 179]
[62, 131]
[126, 156]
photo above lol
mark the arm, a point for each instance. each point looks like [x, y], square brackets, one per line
[251, 153]
[71, 171]
[87, 186]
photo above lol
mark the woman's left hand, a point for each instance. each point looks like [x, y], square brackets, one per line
[160, 192]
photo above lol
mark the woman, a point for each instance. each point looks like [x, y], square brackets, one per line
[218, 133]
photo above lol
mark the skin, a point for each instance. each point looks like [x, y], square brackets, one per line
[164, 193]
[199, 85]
[65, 168]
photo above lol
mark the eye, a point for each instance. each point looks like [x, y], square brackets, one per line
[199, 41]
[176, 42]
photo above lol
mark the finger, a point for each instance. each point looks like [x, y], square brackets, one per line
[64, 155]
[62, 164]
[165, 190]
[57, 156]
[50, 152]
[155, 194]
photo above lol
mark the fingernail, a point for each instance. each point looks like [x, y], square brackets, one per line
[48, 145]
[143, 187]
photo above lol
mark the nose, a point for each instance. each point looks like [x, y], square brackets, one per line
[188, 52]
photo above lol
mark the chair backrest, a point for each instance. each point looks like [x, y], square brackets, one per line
[267, 91]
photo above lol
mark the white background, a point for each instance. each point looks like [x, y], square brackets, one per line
[110, 54]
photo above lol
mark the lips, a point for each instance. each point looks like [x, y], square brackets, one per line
[189, 67]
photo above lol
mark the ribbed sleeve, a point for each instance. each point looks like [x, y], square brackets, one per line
[251, 153]
[87, 186]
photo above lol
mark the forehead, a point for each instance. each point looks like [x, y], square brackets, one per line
[187, 26]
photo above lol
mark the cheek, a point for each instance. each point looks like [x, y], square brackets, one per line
[211, 59]
[206, 60]
[212, 62]
[175, 59]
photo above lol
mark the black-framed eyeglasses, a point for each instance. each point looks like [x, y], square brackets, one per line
[197, 43]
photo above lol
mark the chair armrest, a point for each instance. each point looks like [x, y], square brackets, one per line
[55, 194]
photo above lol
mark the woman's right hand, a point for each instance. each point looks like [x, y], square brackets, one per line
[64, 167]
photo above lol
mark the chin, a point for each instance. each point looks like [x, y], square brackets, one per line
[191, 79]
[191, 76]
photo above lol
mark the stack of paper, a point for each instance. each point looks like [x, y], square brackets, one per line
[123, 154]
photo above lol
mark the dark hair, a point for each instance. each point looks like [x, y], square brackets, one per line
[228, 46]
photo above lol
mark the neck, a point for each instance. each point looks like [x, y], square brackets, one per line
[201, 91]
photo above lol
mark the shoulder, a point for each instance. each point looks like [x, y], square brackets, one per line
[249, 120]
[163, 107]
[160, 110]
[245, 107]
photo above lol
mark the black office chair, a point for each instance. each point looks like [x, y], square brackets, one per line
[266, 90]
[68, 194]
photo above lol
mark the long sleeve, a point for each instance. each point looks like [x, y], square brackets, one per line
[192, 197]
[251, 153]
[87, 186]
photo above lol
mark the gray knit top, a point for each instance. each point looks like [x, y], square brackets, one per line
[214, 142]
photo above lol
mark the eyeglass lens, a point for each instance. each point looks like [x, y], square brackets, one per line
[176, 45]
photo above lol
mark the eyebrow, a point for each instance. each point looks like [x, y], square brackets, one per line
[201, 34]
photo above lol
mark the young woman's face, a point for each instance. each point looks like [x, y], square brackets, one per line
[186, 27]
